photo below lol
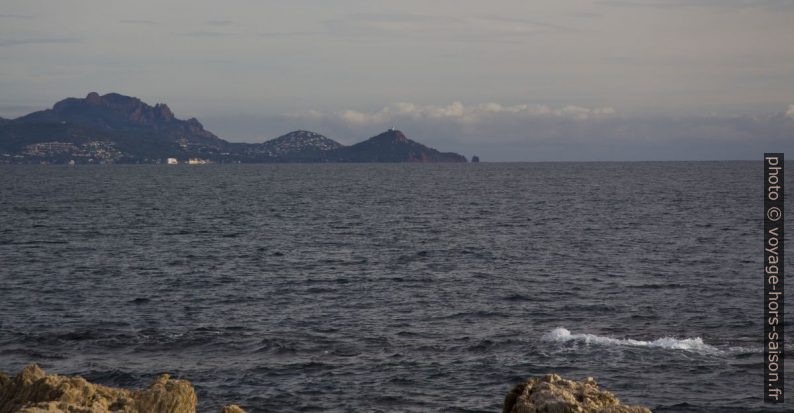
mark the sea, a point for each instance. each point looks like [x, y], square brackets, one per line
[391, 287]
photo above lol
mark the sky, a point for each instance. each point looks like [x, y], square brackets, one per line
[506, 80]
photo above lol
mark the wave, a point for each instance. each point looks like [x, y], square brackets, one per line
[696, 344]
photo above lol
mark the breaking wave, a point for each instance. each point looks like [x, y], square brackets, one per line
[696, 344]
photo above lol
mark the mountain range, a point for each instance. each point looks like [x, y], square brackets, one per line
[114, 128]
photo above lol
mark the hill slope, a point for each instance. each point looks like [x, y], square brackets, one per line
[392, 146]
[296, 146]
[109, 128]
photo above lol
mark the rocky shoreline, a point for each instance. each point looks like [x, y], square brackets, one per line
[34, 391]
[553, 394]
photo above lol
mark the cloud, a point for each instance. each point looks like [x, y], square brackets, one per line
[583, 14]
[458, 112]
[219, 22]
[291, 34]
[512, 23]
[139, 21]
[777, 5]
[384, 24]
[790, 112]
[205, 33]
[38, 40]
[480, 29]
[16, 16]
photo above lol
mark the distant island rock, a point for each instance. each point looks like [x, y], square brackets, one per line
[114, 128]
[475, 159]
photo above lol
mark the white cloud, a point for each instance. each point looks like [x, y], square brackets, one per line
[353, 116]
[790, 112]
[457, 111]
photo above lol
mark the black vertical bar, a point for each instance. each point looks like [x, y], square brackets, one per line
[773, 278]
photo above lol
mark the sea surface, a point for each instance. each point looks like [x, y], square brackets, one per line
[386, 288]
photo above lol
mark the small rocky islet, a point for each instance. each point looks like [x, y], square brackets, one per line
[34, 391]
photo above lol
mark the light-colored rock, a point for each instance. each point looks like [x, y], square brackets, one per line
[33, 391]
[553, 394]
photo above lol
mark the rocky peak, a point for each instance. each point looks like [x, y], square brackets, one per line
[164, 112]
[194, 124]
[93, 98]
[392, 135]
[113, 101]
[113, 108]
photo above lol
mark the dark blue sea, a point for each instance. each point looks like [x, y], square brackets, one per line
[384, 288]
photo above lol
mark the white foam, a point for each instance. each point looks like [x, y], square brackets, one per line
[696, 344]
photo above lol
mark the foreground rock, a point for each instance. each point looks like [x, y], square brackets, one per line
[33, 391]
[553, 394]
